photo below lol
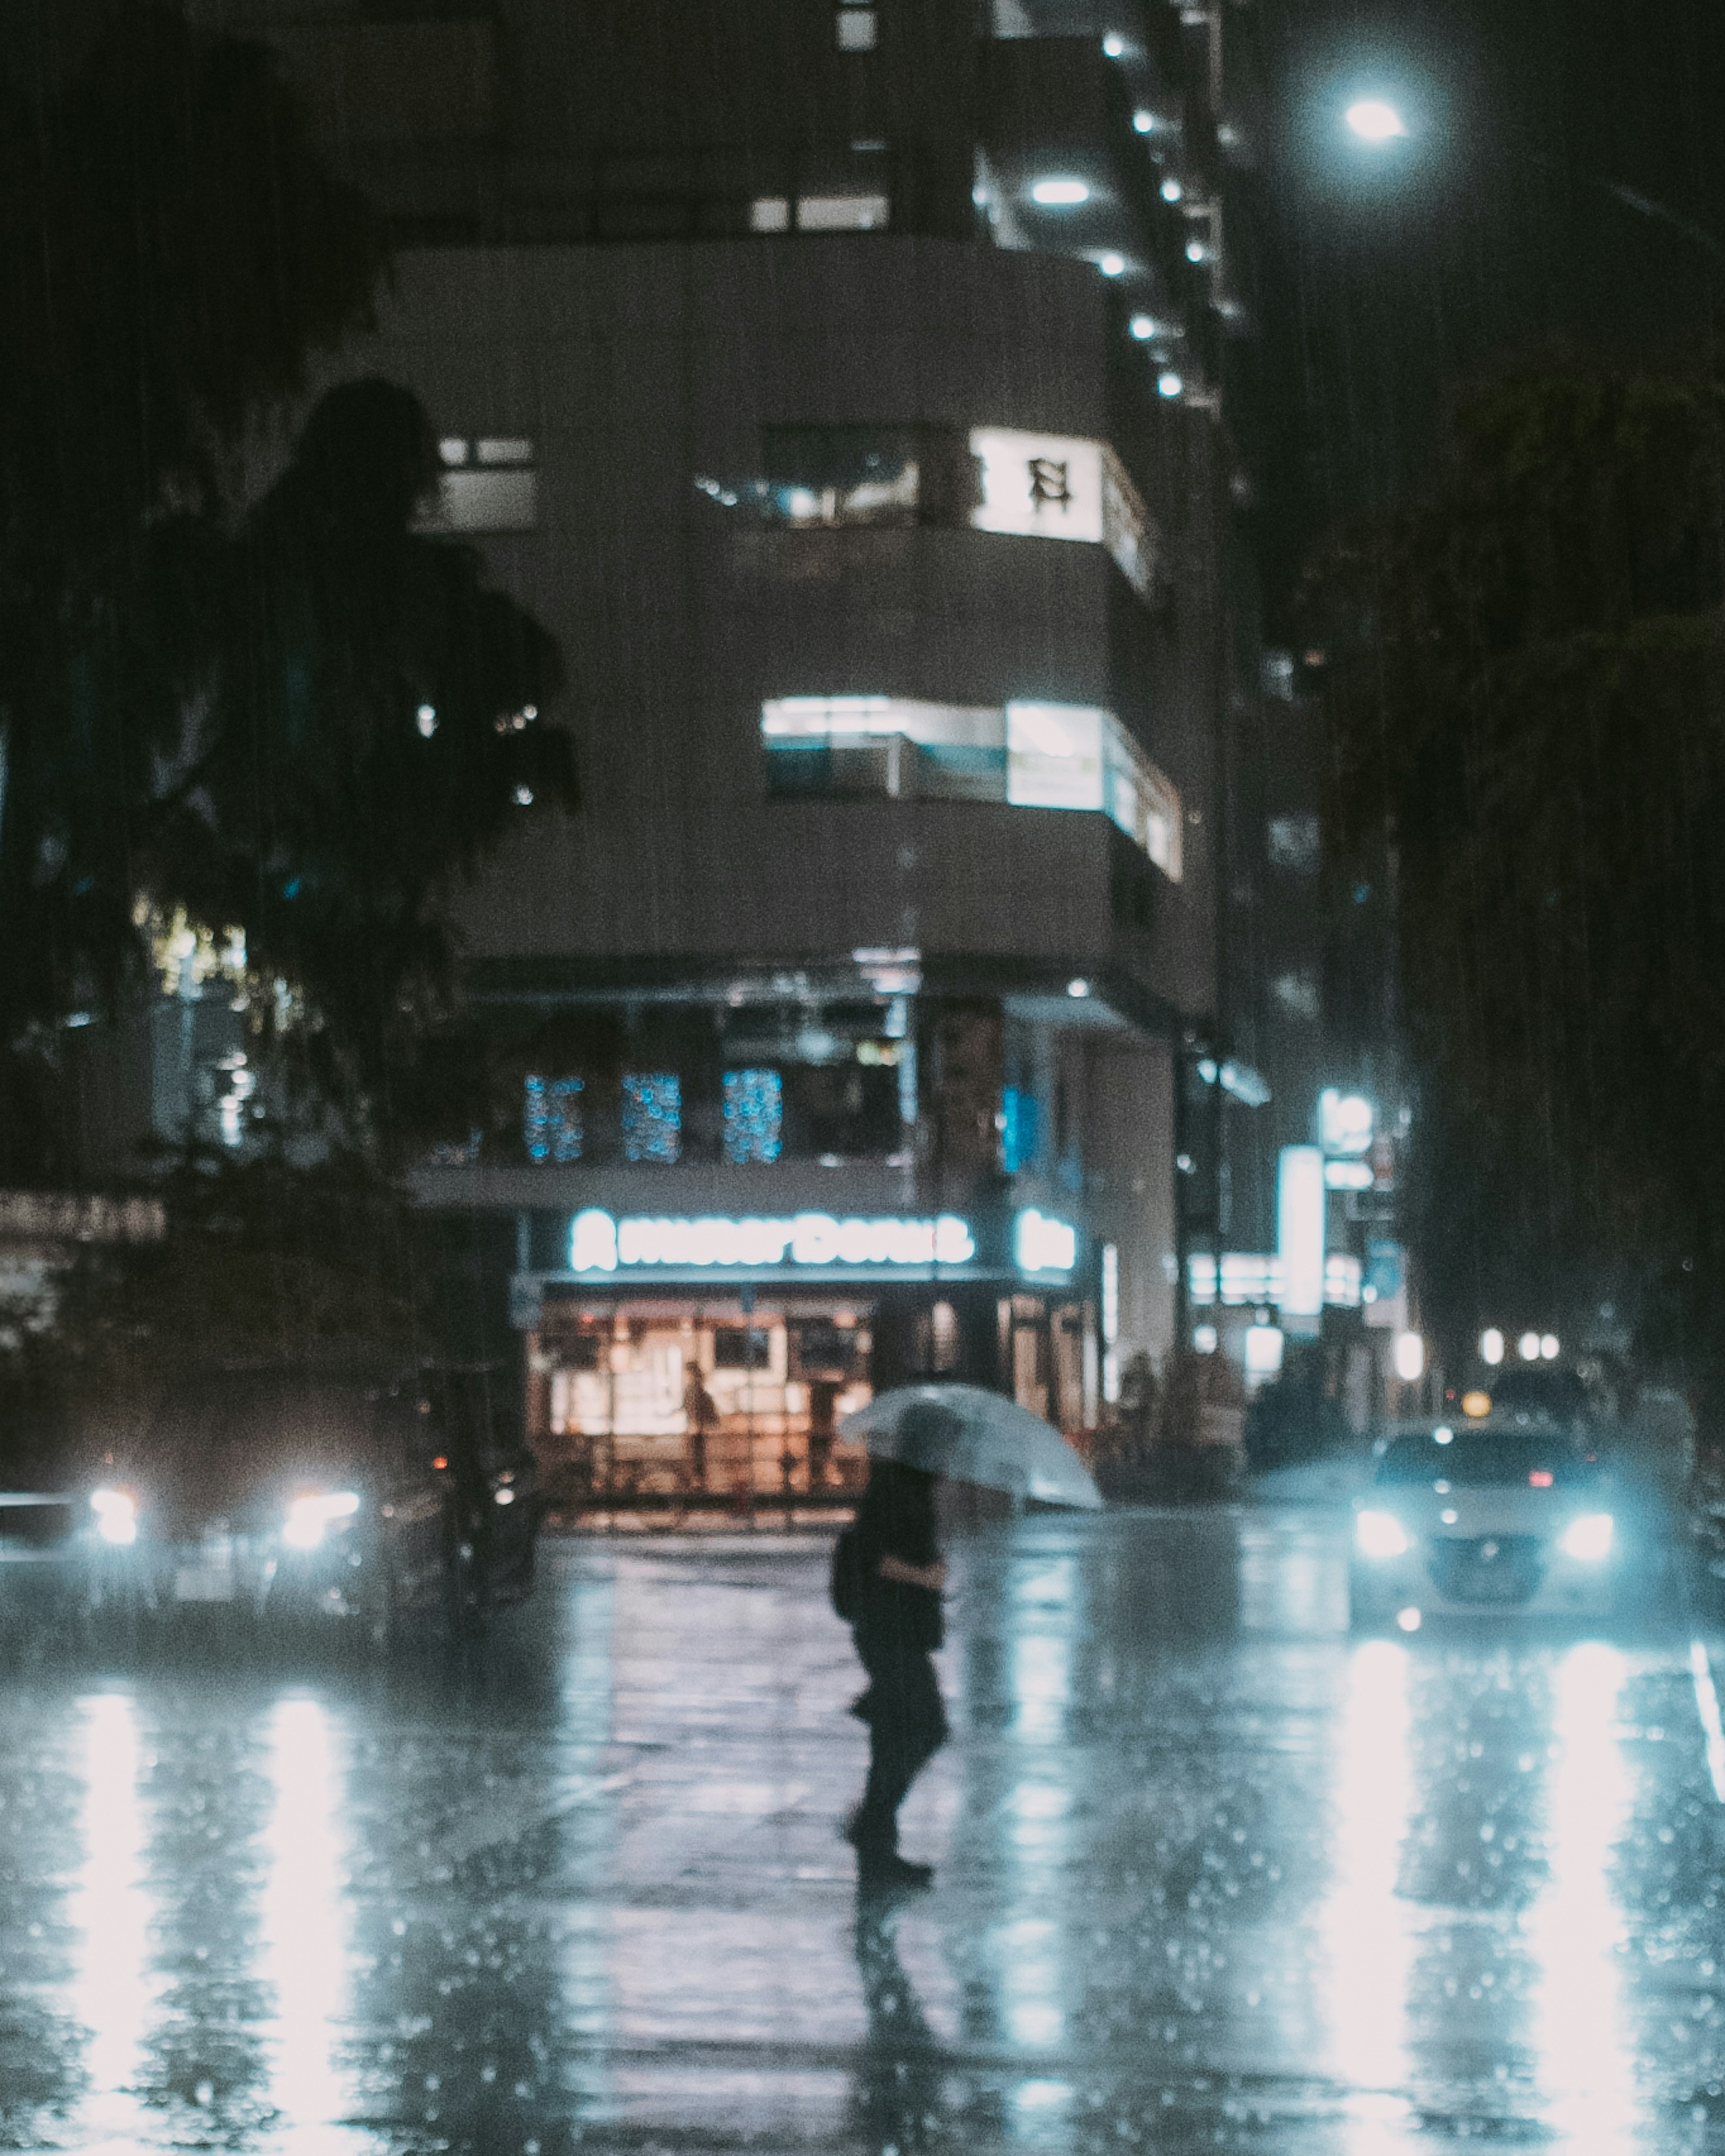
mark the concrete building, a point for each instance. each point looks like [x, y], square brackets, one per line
[851, 389]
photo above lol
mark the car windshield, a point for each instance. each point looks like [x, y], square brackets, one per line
[1542, 1458]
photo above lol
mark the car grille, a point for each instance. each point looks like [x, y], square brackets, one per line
[1491, 1569]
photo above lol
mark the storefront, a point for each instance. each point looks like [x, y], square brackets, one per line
[674, 1358]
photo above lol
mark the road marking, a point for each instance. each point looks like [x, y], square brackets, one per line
[1706, 1705]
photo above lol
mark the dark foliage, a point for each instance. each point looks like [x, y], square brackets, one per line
[204, 704]
[1529, 699]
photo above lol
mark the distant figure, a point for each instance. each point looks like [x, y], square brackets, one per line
[823, 1432]
[701, 1413]
[887, 1579]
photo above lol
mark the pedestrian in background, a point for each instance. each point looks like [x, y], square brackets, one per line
[887, 1579]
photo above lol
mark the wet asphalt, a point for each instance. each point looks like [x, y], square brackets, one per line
[1212, 1873]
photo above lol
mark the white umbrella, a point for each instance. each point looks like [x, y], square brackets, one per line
[974, 1436]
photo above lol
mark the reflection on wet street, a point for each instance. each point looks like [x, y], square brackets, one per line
[1211, 1873]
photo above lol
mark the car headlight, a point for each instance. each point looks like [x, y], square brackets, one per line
[1379, 1534]
[309, 1517]
[116, 1514]
[1589, 1538]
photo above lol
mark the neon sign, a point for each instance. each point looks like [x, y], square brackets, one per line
[600, 1242]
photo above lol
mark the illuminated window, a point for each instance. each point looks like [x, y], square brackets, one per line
[488, 484]
[550, 1119]
[1031, 755]
[1020, 1121]
[754, 1116]
[652, 1115]
[857, 28]
[844, 213]
[1063, 487]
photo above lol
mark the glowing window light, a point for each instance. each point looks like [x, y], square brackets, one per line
[1059, 194]
[1491, 1346]
[1410, 1358]
[550, 1119]
[652, 1116]
[754, 1116]
[1528, 1347]
[1548, 1346]
[1263, 1351]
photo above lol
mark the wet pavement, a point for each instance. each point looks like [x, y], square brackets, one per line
[1212, 1873]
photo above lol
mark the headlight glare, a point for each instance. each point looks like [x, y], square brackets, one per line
[116, 1513]
[309, 1516]
[1380, 1535]
[1590, 1537]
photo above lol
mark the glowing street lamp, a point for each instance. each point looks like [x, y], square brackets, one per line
[1375, 121]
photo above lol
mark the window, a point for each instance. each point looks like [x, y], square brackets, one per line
[1021, 1121]
[489, 483]
[550, 1119]
[994, 478]
[1292, 843]
[652, 1116]
[1031, 755]
[857, 29]
[845, 212]
[742, 1348]
[754, 1116]
[1062, 486]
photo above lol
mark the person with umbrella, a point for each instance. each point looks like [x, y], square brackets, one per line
[888, 1579]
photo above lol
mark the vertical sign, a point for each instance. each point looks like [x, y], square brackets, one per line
[1300, 1238]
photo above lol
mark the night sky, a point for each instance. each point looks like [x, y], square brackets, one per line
[1492, 230]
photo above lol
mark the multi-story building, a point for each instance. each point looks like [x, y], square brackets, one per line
[851, 388]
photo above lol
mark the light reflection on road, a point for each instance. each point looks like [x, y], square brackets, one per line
[1587, 2079]
[305, 1918]
[1365, 1925]
[110, 1914]
[1377, 1890]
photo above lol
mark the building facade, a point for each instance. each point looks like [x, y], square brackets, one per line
[851, 389]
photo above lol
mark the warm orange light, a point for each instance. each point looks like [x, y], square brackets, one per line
[441, 1460]
[1475, 1404]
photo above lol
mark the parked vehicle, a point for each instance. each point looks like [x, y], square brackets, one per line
[304, 1496]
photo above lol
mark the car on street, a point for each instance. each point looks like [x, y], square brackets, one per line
[1483, 1518]
[296, 1495]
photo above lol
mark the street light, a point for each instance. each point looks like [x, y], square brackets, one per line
[1375, 121]
[1491, 1345]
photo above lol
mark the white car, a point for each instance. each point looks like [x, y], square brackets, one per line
[1477, 1519]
